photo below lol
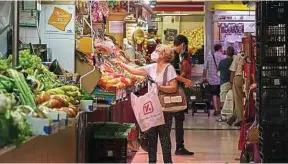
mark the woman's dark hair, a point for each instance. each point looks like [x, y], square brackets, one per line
[179, 39]
[230, 51]
[217, 47]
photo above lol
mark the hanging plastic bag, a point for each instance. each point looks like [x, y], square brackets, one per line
[55, 68]
[228, 104]
[147, 109]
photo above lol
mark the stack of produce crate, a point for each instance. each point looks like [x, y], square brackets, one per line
[272, 77]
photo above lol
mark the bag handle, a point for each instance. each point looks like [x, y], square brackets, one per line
[165, 75]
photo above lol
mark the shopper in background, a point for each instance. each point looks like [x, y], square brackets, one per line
[181, 47]
[210, 67]
[186, 70]
[237, 81]
[164, 56]
[223, 67]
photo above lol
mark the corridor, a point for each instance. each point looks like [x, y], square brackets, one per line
[211, 141]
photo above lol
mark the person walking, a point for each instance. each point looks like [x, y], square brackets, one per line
[210, 75]
[223, 68]
[164, 56]
[237, 81]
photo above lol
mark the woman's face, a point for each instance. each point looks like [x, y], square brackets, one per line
[160, 52]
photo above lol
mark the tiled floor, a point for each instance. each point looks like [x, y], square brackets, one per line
[201, 121]
[208, 145]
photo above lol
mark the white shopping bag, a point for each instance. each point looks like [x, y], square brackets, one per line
[228, 104]
[147, 109]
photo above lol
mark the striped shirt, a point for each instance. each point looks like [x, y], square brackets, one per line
[209, 65]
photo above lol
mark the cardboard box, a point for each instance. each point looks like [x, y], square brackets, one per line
[53, 115]
[41, 126]
[62, 119]
[70, 122]
[90, 81]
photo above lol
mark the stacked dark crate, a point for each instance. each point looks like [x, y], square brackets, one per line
[272, 77]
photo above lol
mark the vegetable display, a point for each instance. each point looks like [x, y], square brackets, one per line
[30, 91]
[13, 127]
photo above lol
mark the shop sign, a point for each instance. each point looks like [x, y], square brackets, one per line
[60, 19]
[170, 34]
[116, 27]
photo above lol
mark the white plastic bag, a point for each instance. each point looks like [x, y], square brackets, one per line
[147, 109]
[228, 104]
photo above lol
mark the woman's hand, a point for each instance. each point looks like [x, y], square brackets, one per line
[117, 63]
[253, 86]
[188, 83]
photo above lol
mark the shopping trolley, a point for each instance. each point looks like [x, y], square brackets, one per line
[199, 98]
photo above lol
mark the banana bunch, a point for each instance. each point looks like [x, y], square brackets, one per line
[195, 37]
[72, 92]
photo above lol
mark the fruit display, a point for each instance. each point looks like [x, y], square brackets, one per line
[139, 36]
[195, 37]
[114, 76]
[57, 102]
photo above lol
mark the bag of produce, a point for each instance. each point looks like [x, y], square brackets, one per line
[56, 68]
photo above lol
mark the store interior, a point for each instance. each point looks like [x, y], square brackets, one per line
[64, 100]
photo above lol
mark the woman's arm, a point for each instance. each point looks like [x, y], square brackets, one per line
[183, 70]
[135, 71]
[171, 88]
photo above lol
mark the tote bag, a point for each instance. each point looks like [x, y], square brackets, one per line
[147, 109]
[228, 104]
[172, 102]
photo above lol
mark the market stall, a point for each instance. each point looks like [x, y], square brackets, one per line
[41, 102]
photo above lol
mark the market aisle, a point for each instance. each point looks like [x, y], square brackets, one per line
[208, 145]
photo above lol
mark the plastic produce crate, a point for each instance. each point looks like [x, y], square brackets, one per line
[272, 106]
[108, 142]
[272, 10]
[109, 150]
[273, 143]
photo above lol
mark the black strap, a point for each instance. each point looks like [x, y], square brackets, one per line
[215, 62]
[165, 75]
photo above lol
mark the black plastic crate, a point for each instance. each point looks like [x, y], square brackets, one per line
[113, 150]
[276, 116]
[272, 11]
[273, 143]
[273, 152]
[272, 34]
[276, 97]
[273, 133]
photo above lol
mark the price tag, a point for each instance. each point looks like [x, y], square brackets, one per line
[192, 97]
[94, 106]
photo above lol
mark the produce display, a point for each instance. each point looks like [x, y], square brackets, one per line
[30, 90]
[13, 127]
[115, 76]
[195, 37]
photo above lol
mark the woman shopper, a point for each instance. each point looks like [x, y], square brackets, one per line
[164, 56]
